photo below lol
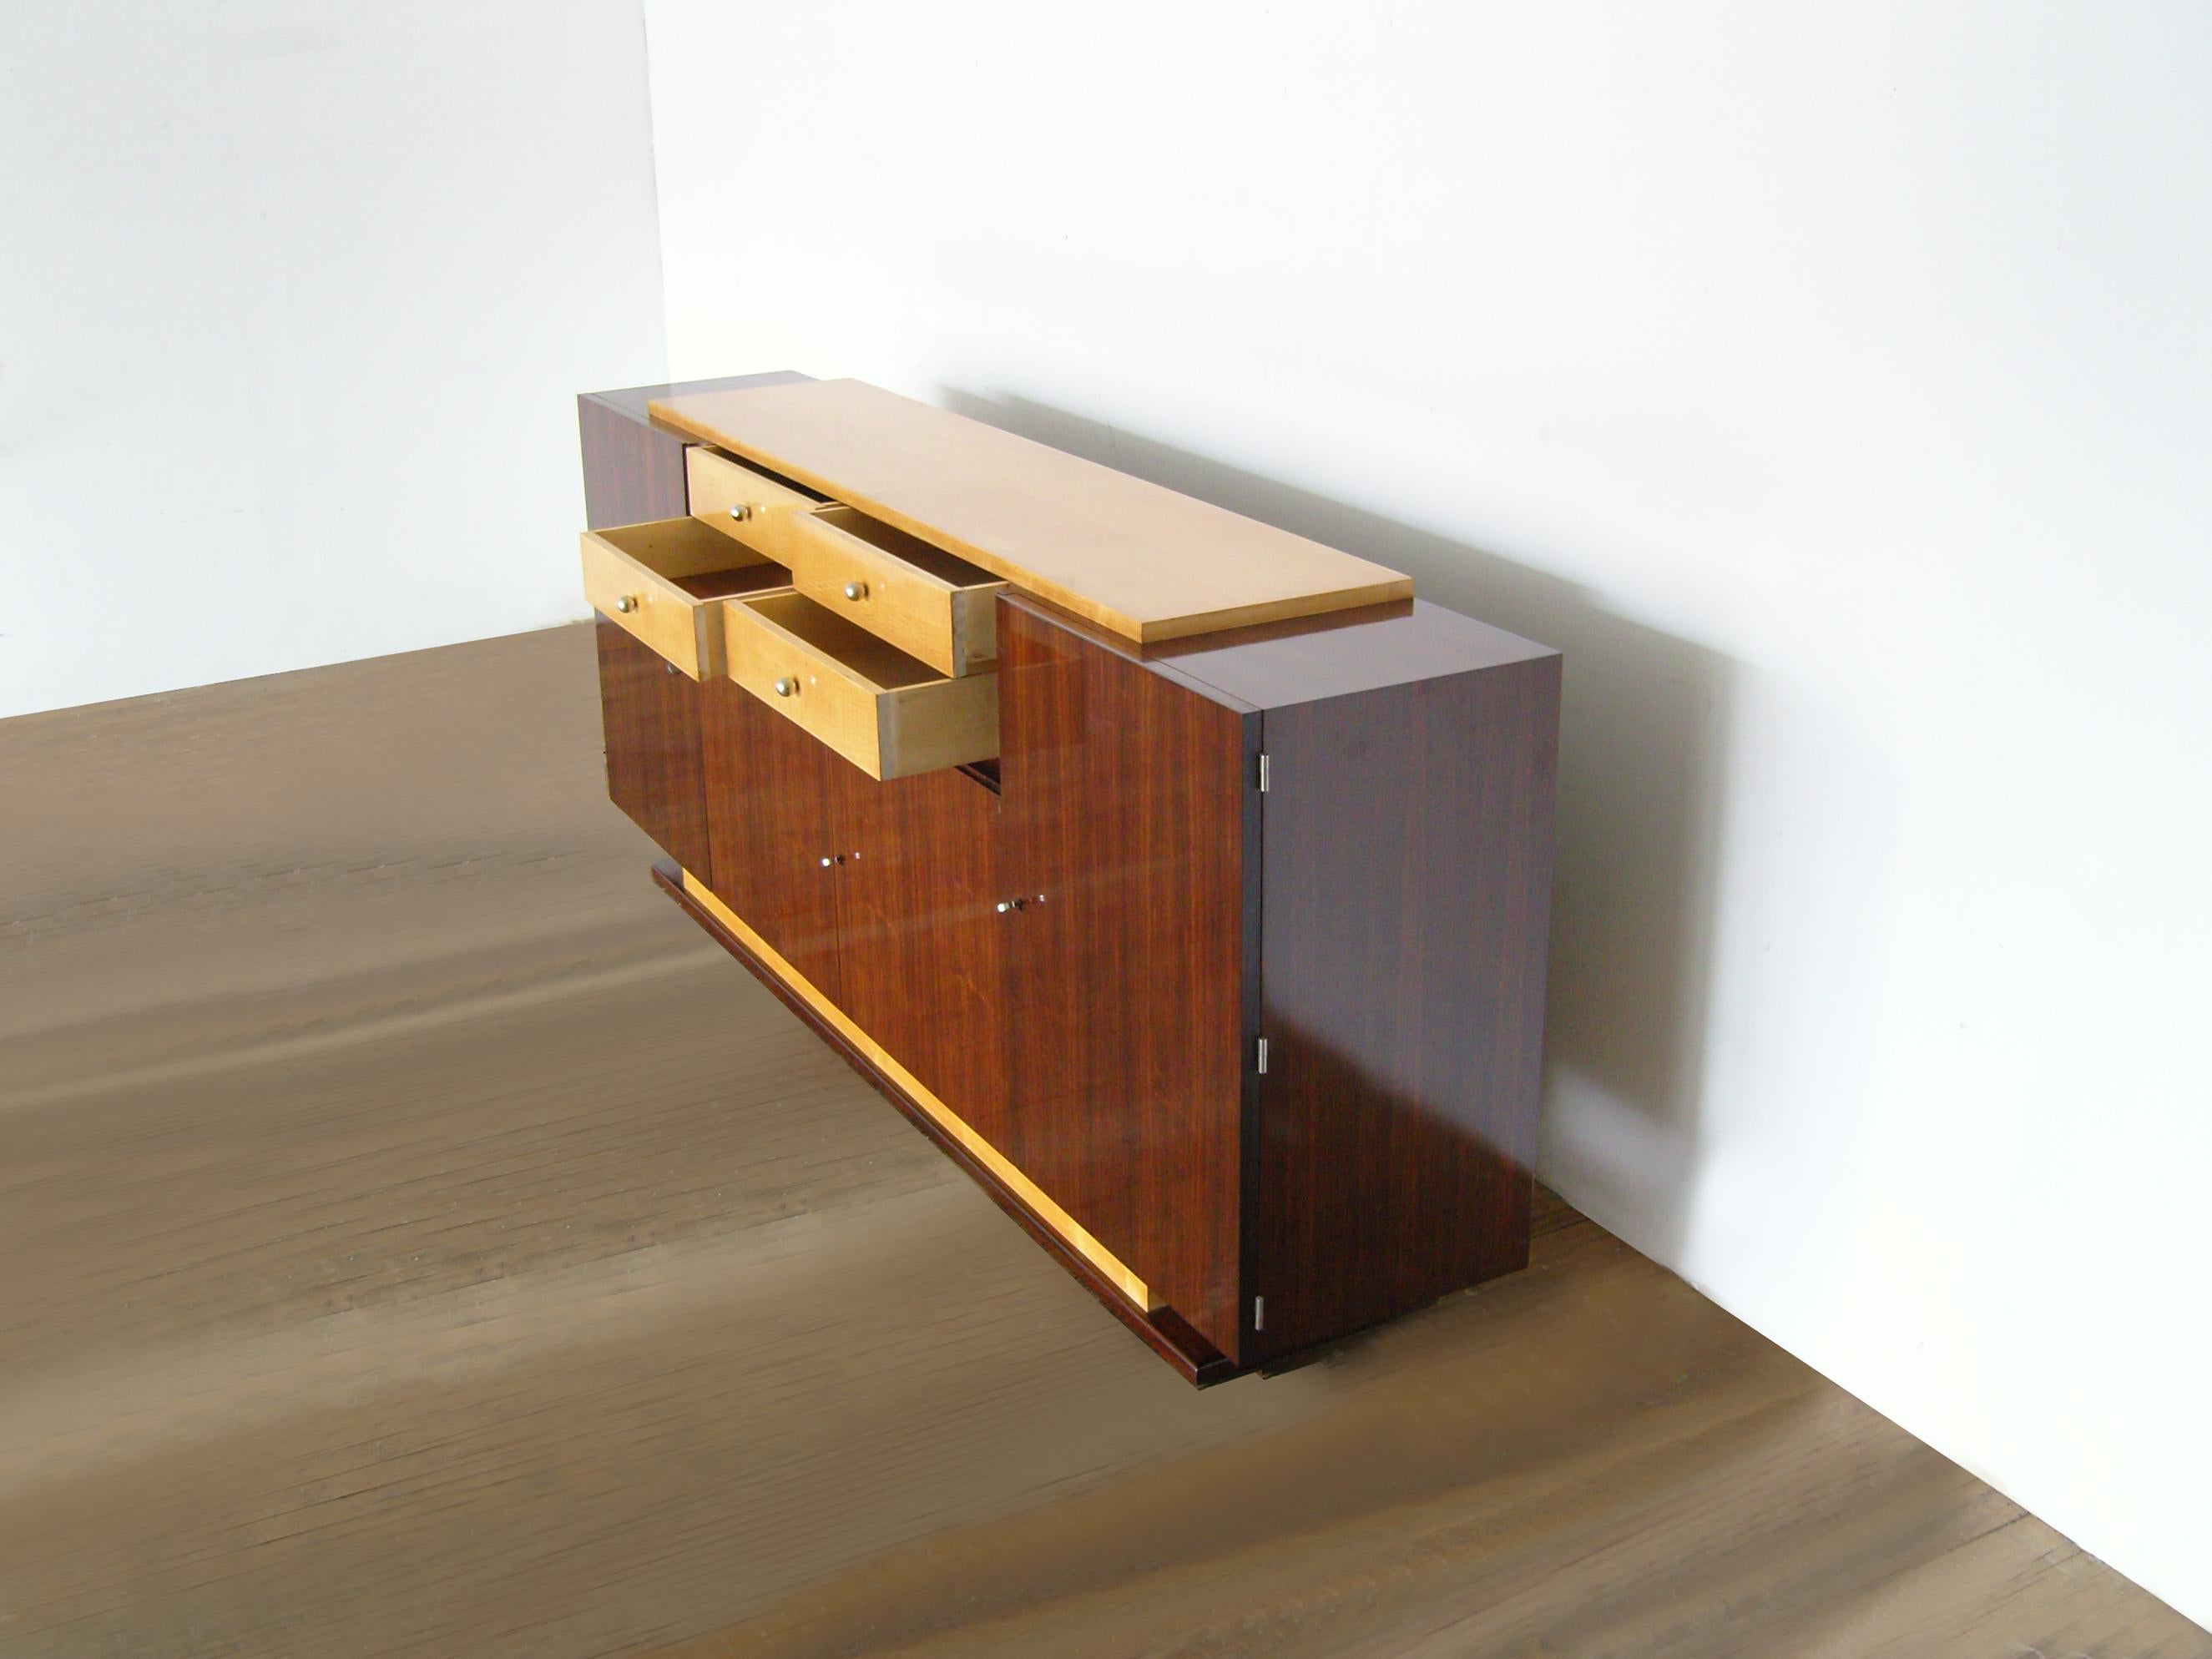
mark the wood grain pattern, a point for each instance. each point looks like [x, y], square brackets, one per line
[650, 718]
[851, 1036]
[932, 606]
[772, 824]
[1141, 561]
[1407, 898]
[424, 1242]
[744, 504]
[657, 580]
[1124, 814]
[884, 712]
[922, 938]
[633, 470]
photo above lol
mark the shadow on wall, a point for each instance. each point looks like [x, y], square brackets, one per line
[1641, 780]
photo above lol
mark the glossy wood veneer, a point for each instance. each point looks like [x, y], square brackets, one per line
[1161, 1328]
[634, 472]
[1395, 910]
[655, 755]
[924, 963]
[773, 828]
[1077, 963]
[1124, 812]
[1405, 897]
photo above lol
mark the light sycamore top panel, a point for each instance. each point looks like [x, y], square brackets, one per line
[1140, 560]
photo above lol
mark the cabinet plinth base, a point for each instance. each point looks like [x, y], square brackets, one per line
[1169, 1336]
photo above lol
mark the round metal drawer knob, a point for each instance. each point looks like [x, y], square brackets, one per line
[741, 511]
[785, 688]
[856, 590]
[1004, 907]
[826, 863]
[625, 604]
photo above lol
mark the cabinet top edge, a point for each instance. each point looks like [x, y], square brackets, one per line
[1133, 557]
[636, 401]
[1366, 632]
[1314, 658]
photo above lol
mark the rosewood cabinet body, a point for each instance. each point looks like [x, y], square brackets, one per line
[1224, 973]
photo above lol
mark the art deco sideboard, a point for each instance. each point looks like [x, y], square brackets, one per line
[1186, 881]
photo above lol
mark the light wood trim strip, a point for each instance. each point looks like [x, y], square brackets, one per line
[945, 1118]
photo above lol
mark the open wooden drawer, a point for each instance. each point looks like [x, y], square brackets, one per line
[888, 713]
[744, 504]
[929, 603]
[662, 580]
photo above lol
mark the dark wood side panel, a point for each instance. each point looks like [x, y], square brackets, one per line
[633, 472]
[651, 719]
[772, 817]
[1124, 808]
[919, 937]
[1406, 898]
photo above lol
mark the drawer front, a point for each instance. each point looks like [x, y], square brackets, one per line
[743, 504]
[878, 707]
[925, 601]
[650, 607]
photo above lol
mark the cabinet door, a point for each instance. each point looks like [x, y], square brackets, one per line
[653, 768]
[1125, 808]
[921, 936]
[771, 821]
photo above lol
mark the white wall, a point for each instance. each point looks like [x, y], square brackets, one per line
[295, 300]
[1835, 385]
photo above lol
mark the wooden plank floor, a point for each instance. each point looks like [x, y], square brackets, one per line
[419, 1240]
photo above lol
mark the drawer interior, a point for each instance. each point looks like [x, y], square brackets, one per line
[890, 714]
[758, 475]
[947, 568]
[696, 558]
[879, 662]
